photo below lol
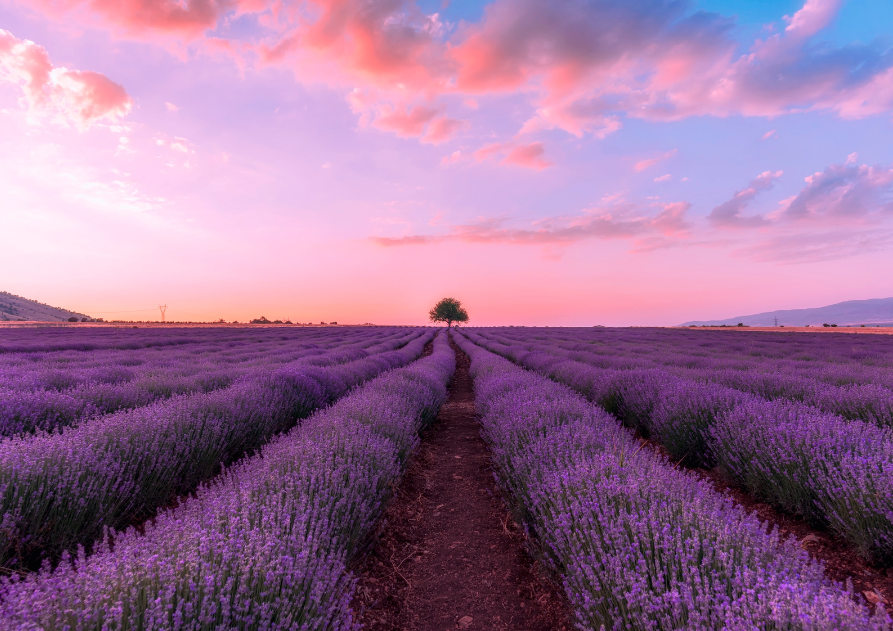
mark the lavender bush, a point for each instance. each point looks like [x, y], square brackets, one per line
[834, 383]
[263, 547]
[52, 390]
[832, 470]
[639, 543]
[59, 490]
[684, 416]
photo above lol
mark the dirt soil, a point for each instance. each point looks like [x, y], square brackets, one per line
[448, 554]
[842, 562]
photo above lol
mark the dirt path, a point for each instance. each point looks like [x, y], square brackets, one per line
[449, 555]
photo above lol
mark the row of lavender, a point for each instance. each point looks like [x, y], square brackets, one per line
[871, 402]
[823, 348]
[833, 358]
[267, 544]
[63, 370]
[59, 490]
[837, 472]
[48, 339]
[638, 543]
[45, 391]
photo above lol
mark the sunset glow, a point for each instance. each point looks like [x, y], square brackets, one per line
[616, 162]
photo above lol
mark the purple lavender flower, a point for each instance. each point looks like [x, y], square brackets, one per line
[266, 544]
[60, 490]
[639, 543]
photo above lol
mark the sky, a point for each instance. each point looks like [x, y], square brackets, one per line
[614, 162]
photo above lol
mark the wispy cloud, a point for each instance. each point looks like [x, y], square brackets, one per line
[530, 155]
[620, 220]
[813, 247]
[728, 214]
[848, 192]
[641, 165]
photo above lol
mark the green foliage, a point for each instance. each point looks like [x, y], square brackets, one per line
[448, 310]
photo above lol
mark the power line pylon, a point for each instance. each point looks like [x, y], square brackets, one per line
[162, 308]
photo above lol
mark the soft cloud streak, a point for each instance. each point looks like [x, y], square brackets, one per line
[728, 214]
[619, 220]
[844, 193]
[530, 156]
[641, 165]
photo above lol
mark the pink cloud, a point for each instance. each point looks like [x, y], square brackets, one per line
[770, 134]
[453, 158]
[641, 165]
[490, 151]
[812, 247]
[528, 156]
[842, 211]
[189, 19]
[575, 118]
[812, 17]
[728, 214]
[671, 220]
[406, 122]
[665, 66]
[442, 129]
[386, 44]
[531, 156]
[421, 121]
[582, 66]
[663, 178]
[844, 193]
[81, 96]
[620, 220]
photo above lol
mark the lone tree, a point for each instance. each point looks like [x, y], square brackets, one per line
[448, 310]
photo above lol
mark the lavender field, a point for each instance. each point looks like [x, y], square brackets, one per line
[802, 421]
[232, 478]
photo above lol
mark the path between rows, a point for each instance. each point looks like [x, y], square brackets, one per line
[449, 555]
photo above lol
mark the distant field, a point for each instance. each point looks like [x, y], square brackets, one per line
[163, 325]
[874, 330]
[796, 428]
[240, 474]
[109, 427]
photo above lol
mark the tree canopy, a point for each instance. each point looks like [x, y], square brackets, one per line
[448, 310]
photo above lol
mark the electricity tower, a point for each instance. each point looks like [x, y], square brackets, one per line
[162, 308]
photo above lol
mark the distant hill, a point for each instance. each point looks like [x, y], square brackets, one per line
[15, 308]
[874, 311]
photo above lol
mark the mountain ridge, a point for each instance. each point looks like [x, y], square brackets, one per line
[850, 312]
[15, 308]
